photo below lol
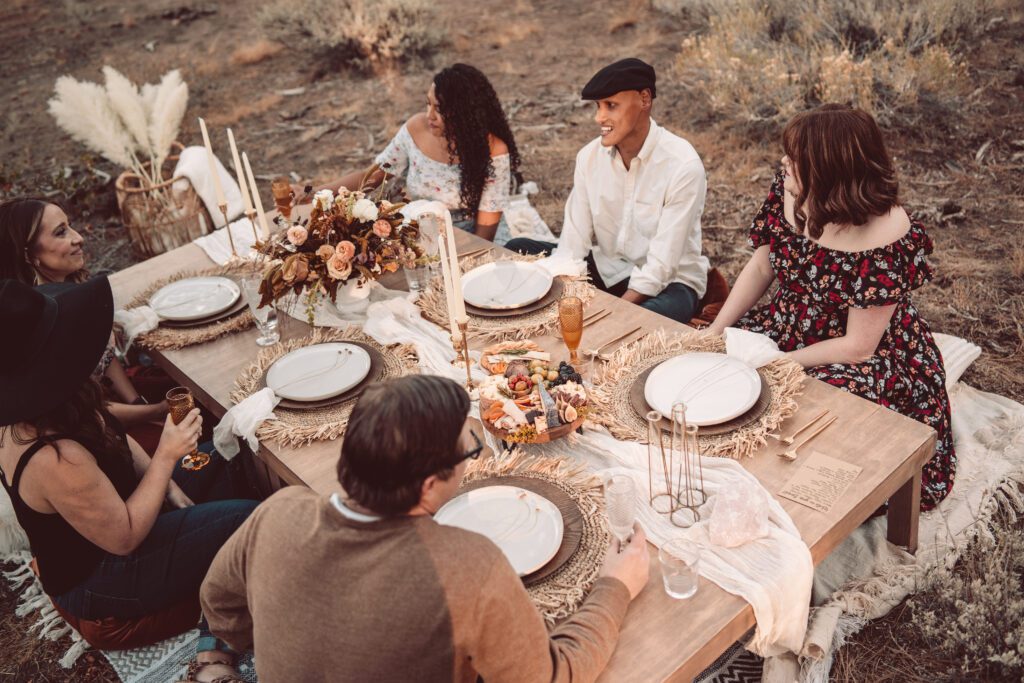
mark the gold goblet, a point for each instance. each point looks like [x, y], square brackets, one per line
[570, 318]
[181, 403]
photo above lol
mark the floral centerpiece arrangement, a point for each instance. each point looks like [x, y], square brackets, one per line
[349, 237]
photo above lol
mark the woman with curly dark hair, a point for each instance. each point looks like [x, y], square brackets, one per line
[460, 151]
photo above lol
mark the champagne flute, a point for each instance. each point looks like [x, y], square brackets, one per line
[570, 318]
[620, 505]
[181, 403]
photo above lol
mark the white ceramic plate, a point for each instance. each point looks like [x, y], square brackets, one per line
[194, 298]
[316, 372]
[505, 285]
[715, 387]
[526, 526]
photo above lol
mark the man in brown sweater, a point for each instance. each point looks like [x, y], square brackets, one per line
[367, 587]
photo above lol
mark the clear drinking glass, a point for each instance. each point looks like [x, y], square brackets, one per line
[620, 505]
[419, 277]
[266, 316]
[680, 561]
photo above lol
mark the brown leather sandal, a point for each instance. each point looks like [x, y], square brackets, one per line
[195, 666]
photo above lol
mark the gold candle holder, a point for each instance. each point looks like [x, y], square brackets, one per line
[251, 215]
[461, 345]
[227, 226]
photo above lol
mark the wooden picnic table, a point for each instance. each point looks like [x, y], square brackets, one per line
[662, 639]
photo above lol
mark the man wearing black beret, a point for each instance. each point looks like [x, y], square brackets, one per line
[638, 194]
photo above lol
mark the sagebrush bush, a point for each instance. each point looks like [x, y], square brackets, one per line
[356, 32]
[765, 60]
[973, 615]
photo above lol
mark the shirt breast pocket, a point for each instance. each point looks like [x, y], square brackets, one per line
[645, 225]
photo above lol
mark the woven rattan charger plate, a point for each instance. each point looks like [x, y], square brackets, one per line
[572, 518]
[374, 374]
[764, 399]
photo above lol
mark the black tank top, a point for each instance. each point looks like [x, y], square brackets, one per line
[65, 557]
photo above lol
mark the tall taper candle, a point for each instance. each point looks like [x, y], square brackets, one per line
[246, 203]
[217, 189]
[264, 228]
[449, 290]
[453, 255]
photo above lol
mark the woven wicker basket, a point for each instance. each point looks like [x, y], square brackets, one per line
[164, 216]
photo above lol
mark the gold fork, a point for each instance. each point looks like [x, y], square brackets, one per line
[791, 453]
[597, 352]
[788, 440]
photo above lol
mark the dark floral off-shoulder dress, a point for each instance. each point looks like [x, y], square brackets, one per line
[817, 287]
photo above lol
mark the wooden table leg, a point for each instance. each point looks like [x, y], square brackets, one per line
[904, 511]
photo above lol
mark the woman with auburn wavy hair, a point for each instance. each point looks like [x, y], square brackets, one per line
[846, 256]
[460, 151]
[39, 246]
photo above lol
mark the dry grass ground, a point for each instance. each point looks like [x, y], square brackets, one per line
[961, 172]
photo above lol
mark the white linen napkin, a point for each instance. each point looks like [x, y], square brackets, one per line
[136, 321]
[562, 264]
[193, 165]
[752, 348]
[243, 419]
[218, 248]
[398, 321]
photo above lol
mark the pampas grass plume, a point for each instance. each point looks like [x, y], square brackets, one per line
[125, 100]
[83, 110]
[169, 104]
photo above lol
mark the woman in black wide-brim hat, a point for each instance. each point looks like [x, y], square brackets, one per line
[90, 498]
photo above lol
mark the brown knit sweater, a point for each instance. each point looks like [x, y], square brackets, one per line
[321, 597]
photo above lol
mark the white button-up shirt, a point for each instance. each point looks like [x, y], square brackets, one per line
[642, 223]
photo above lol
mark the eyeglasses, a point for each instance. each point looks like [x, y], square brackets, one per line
[471, 454]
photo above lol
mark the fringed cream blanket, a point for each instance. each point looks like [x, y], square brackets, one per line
[613, 409]
[302, 427]
[432, 303]
[166, 338]
[560, 594]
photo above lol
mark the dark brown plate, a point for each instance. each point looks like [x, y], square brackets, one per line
[572, 518]
[376, 370]
[557, 286]
[639, 403]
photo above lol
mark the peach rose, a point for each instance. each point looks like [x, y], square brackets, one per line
[339, 267]
[325, 251]
[297, 235]
[346, 249]
[295, 270]
[381, 228]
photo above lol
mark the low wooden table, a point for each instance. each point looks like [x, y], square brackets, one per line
[662, 639]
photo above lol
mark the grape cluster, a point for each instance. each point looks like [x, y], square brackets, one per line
[567, 373]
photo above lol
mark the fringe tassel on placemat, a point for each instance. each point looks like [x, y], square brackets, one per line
[612, 407]
[562, 593]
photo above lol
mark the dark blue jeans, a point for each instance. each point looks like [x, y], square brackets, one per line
[676, 301]
[171, 563]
